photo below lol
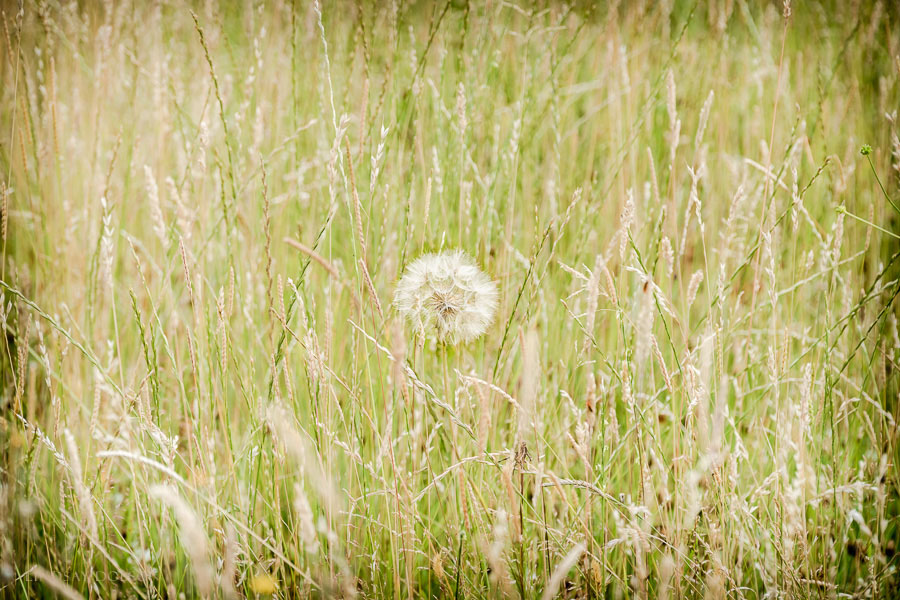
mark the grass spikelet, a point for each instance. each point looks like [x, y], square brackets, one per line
[107, 258]
[666, 570]
[159, 223]
[85, 503]
[496, 551]
[280, 422]
[506, 478]
[305, 518]
[4, 213]
[229, 563]
[55, 583]
[193, 537]
[593, 293]
[560, 571]
[693, 286]
[528, 395]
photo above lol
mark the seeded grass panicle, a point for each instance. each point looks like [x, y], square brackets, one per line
[447, 294]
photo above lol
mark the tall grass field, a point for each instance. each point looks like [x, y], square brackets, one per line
[451, 299]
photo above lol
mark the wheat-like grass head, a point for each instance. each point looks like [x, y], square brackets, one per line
[446, 293]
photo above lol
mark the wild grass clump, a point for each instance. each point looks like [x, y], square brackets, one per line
[449, 300]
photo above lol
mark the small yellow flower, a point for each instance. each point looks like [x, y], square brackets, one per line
[263, 584]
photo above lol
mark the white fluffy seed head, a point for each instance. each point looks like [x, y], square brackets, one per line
[448, 294]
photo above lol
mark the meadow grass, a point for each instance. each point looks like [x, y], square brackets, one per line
[689, 389]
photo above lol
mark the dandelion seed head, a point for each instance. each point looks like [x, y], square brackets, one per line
[448, 294]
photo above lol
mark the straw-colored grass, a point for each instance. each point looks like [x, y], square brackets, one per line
[690, 385]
